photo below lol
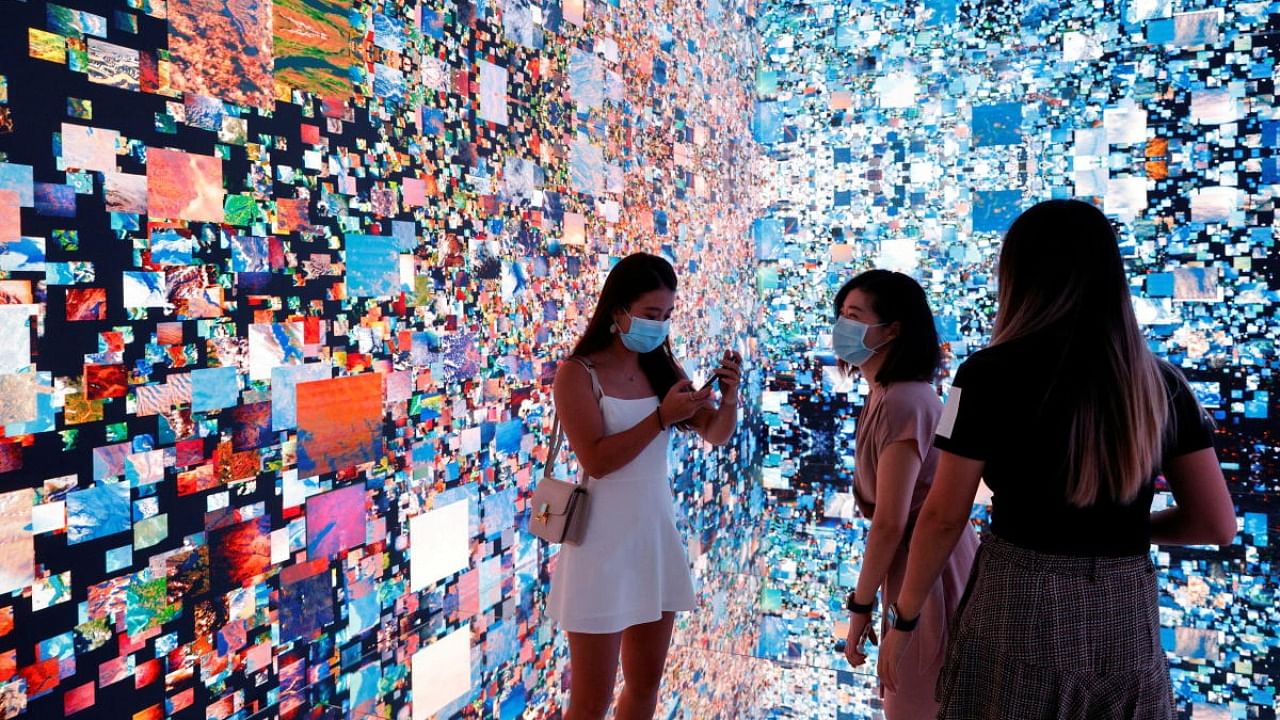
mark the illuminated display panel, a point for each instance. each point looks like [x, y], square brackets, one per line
[282, 289]
[282, 285]
[908, 136]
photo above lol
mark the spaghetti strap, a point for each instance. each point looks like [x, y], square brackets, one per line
[591, 370]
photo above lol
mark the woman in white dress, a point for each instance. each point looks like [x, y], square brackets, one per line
[616, 593]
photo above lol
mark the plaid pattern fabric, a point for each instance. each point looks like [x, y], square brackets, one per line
[1047, 637]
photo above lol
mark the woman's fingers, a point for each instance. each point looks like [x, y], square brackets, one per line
[701, 403]
[887, 671]
[686, 401]
[728, 376]
[681, 390]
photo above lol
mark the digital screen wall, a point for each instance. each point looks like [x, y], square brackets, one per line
[908, 136]
[282, 286]
[282, 289]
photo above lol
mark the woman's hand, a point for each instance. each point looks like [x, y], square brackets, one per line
[730, 373]
[860, 631]
[682, 402]
[890, 654]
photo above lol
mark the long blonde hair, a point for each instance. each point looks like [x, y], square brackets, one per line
[1060, 269]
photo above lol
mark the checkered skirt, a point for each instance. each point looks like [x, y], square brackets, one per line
[1049, 637]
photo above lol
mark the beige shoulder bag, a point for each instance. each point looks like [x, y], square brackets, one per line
[560, 507]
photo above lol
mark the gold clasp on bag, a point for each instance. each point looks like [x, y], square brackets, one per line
[544, 513]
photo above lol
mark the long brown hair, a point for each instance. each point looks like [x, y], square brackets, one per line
[1061, 271]
[633, 276]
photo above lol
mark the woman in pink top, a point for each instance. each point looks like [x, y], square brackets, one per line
[885, 329]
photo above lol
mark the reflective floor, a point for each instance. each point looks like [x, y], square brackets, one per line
[763, 644]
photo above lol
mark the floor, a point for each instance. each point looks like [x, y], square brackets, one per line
[763, 642]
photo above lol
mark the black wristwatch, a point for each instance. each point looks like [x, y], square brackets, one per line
[897, 622]
[858, 608]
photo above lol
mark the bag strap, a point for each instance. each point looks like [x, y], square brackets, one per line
[557, 435]
[548, 468]
[557, 439]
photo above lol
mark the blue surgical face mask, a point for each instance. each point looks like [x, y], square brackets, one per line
[645, 335]
[848, 339]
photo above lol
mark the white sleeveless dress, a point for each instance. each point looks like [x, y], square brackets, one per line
[631, 566]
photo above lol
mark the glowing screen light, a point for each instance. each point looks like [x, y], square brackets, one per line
[908, 136]
[283, 285]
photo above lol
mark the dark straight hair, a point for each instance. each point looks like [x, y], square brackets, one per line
[915, 355]
[1061, 273]
[633, 276]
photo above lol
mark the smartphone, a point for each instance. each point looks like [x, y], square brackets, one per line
[736, 358]
[710, 381]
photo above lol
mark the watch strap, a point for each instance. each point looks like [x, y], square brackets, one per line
[900, 623]
[857, 608]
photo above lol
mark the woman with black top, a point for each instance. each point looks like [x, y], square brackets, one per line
[1068, 417]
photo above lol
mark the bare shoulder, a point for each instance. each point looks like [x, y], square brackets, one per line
[571, 373]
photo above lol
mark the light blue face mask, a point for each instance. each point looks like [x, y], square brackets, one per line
[645, 335]
[848, 340]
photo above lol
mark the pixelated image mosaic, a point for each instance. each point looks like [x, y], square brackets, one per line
[283, 284]
[283, 288]
[908, 136]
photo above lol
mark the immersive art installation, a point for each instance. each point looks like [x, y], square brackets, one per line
[908, 136]
[283, 284]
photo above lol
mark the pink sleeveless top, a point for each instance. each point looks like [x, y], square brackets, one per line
[910, 411]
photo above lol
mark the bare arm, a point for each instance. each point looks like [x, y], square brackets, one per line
[583, 425]
[1204, 513]
[896, 474]
[942, 519]
[717, 426]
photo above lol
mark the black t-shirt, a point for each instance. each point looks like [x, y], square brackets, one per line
[1009, 407]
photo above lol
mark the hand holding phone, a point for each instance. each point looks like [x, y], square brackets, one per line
[730, 365]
